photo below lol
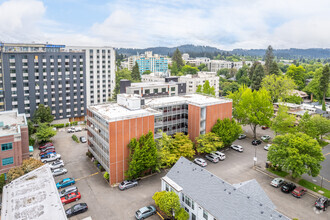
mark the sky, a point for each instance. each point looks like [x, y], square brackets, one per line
[225, 24]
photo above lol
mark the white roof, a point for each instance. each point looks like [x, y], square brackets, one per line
[33, 196]
[194, 99]
[11, 122]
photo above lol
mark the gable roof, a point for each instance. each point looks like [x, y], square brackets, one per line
[219, 198]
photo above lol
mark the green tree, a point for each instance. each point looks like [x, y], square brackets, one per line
[296, 99]
[244, 80]
[297, 153]
[14, 173]
[227, 130]
[45, 133]
[136, 73]
[106, 176]
[307, 126]
[147, 72]
[32, 129]
[206, 87]
[202, 67]
[174, 69]
[242, 72]
[269, 59]
[2, 182]
[223, 72]
[199, 89]
[257, 77]
[156, 197]
[228, 87]
[283, 122]
[189, 70]
[321, 124]
[297, 73]
[324, 83]
[169, 203]
[31, 164]
[42, 115]
[177, 58]
[252, 69]
[182, 214]
[121, 74]
[274, 69]
[209, 142]
[171, 149]
[143, 156]
[279, 87]
[252, 108]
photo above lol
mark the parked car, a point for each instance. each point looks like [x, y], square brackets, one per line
[221, 155]
[71, 130]
[256, 142]
[50, 158]
[45, 155]
[76, 209]
[264, 127]
[47, 148]
[238, 148]
[126, 184]
[59, 171]
[145, 212]
[68, 190]
[299, 191]
[241, 136]
[201, 162]
[288, 187]
[71, 198]
[322, 203]
[56, 164]
[277, 182]
[83, 139]
[51, 150]
[212, 157]
[77, 129]
[65, 182]
[46, 145]
[266, 147]
[265, 138]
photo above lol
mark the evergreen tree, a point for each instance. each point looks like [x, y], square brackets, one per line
[274, 69]
[177, 58]
[252, 69]
[257, 77]
[136, 73]
[174, 69]
[269, 58]
[324, 83]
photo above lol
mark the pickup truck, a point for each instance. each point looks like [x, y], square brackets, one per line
[50, 158]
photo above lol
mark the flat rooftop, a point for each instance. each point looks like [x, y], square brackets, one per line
[113, 112]
[194, 99]
[33, 196]
[151, 84]
[10, 122]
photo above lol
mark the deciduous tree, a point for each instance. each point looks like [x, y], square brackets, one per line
[279, 87]
[199, 89]
[31, 164]
[227, 130]
[189, 70]
[298, 153]
[42, 115]
[44, 133]
[206, 143]
[324, 83]
[297, 74]
[283, 122]
[252, 108]
[121, 74]
[169, 203]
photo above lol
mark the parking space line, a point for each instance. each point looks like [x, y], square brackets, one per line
[160, 215]
[326, 154]
[86, 176]
[324, 178]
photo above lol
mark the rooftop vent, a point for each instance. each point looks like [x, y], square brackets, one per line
[262, 212]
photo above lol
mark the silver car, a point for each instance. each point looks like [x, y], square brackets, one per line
[221, 155]
[56, 164]
[126, 184]
[59, 171]
[212, 157]
[201, 162]
[68, 190]
[238, 148]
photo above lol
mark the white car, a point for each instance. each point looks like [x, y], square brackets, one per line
[76, 129]
[265, 138]
[51, 157]
[56, 164]
[71, 130]
[201, 162]
[277, 182]
[238, 148]
[266, 147]
[221, 155]
[59, 171]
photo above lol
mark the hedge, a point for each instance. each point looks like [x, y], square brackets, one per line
[58, 126]
[74, 137]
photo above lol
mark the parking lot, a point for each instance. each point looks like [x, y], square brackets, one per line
[105, 202]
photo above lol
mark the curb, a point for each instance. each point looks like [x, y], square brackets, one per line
[310, 192]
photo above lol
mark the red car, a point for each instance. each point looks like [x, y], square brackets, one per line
[264, 127]
[46, 145]
[47, 151]
[299, 192]
[70, 198]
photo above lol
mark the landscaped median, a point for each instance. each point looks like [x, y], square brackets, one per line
[277, 172]
[314, 187]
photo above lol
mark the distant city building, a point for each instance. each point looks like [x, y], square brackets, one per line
[33, 196]
[100, 73]
[185, 56]
[33, 74]
[148, 61]
[14, 140]
[205, 196]
[111, 126]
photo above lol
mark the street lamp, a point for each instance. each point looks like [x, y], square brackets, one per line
[255, 156]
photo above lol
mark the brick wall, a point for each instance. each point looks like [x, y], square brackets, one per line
[194, 115]
[215, 112]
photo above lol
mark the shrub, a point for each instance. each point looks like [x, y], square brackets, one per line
[32, 141]
[101, 168]
[2, 181]
[74, 123]
[96, 162]
[106, 176]
[67, 124]
[89, 154]
[58, 126]
[74, 137]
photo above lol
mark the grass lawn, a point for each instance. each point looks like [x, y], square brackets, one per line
[311, 186]
[323, 143]
[278, 172]
[327, 137]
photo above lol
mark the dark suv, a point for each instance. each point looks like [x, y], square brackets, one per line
[256, 142]
[322, 203]
[288, 187]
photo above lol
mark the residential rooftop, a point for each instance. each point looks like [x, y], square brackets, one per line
[10, 122]
[33, 196]
[151, 84]
[220, 198]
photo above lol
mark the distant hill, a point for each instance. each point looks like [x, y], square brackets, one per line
[206, 51]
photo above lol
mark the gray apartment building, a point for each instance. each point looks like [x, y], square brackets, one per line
[33, 74]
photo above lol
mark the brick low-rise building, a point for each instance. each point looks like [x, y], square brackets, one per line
[111, 126]
[14, 140]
